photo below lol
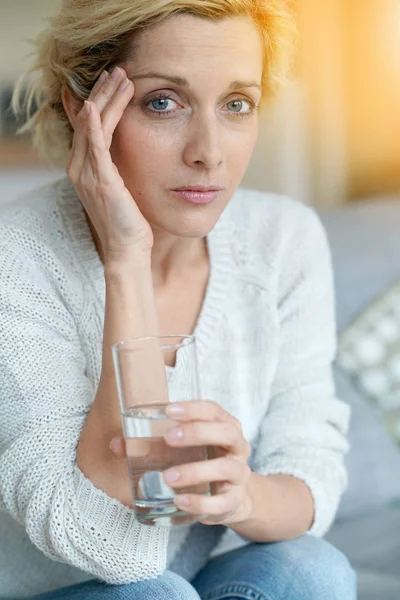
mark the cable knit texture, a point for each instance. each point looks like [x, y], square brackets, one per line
[266, 340]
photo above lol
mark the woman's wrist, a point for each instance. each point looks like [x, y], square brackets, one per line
[281, 507]
[135, 260]
[130, 301]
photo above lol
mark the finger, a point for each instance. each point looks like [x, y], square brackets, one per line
[100, 155]
[114, 110]
[202, 433]
[219, 469]
[100, 83]
[107, 88]
[220, 505]
[131, 447]
[117, 446]
[80, 143]
[198, 410]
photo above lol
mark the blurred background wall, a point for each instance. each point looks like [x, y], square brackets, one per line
[372, 95]
[332, 137]
[351, 74]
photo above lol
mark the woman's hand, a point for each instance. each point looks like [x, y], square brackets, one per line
[205, 423]
[113, 212]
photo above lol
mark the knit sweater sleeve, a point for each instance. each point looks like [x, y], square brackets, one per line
[45, 397]
[303, 432]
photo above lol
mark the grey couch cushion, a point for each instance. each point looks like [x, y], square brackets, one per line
[373, 462]
[372, 585]
[372, 544]
[365, 244]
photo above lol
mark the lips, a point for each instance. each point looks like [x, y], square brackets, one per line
[198, 188]
[198, 194]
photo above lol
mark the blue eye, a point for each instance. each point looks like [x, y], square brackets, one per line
[161, 103]
[236, 104]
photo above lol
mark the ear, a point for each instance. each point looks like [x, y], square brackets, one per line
[72, 105]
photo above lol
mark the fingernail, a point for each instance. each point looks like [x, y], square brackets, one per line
[171, 475]
[175, 409]
[123, 85]
[175, 433]
[114, 445]
[87, 107]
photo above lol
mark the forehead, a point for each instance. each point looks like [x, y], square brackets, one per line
[189, 44]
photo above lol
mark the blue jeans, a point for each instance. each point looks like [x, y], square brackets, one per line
[306, 568]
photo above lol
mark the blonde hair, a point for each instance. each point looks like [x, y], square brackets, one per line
[89, 36]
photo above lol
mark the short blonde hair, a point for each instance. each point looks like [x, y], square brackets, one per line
[87, 37]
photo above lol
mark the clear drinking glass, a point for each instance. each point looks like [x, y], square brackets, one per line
[144, 391]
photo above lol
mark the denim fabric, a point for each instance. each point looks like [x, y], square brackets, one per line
[306, 568]
[169, 586]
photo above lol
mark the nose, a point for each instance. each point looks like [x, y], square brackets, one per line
[204, 145]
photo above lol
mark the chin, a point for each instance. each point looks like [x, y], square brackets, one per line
[179, 226]
[188, 232]
[186, 221]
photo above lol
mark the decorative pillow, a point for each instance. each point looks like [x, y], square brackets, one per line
[369, 351]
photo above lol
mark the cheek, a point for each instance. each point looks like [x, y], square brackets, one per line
[241, 147]
[141, 149]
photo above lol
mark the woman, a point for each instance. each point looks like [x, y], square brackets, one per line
[149, 234]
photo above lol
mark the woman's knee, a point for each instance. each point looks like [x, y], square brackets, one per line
[325, 572]
[168, 586]
[320, 571]
[306, 568]
[173, 587]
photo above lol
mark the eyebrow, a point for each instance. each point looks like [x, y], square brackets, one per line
[184, 82]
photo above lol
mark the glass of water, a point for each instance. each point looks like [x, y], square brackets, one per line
[146, 383]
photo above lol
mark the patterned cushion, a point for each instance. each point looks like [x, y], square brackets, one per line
[369, 350]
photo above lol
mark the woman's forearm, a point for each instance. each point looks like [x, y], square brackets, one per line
[130, 312]
[281, 507]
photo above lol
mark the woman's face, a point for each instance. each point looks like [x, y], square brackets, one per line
[192, 121]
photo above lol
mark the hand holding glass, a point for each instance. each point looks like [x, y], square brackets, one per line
[144, 393]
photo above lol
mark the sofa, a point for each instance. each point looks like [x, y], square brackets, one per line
[365, 244]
